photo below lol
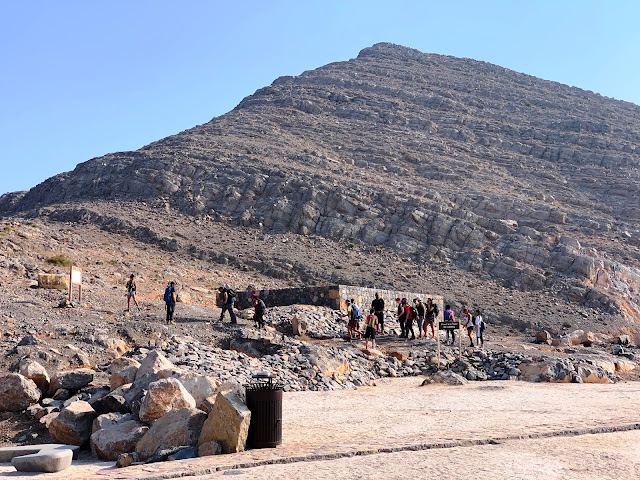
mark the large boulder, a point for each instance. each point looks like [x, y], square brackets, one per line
[17, 392]
[73, 425]
[227, 423]
[543, 336]
[592, 374]
[299, 324]
[123, 376]
[121, 362]
[108, 443]
[326, 364]
[448, 377]
[147, 373]
[110, 403]
[36, 372]
[71, 379]
[199, 386]
[109, 420]
[175, 429]
[164, 395]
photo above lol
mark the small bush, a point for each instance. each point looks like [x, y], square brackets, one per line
[60, 261]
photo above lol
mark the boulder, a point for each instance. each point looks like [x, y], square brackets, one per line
[227, 423]
[543, 337]
[199, 386]
[110, 403]
[46, 420]
[72, 379]
[147, 373]
[402, 356]
[108, 443]
[123, 376]
[592, 374]
[164, 395]
[119, 363]
[127, 459]
[623, 340]
[299, 324]
[109, 420]
[73, 425]
[174, 429]
[17, 392]
[53, 281]
[209, 448]
[326, 364]
[448, 377]
[624, 366]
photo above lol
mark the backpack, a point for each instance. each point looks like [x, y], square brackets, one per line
[260, 306]
[230, 292]
[355, 312]
[436, 311]
[167, 295]
[414, 312]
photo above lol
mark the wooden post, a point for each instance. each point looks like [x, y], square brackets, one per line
[460, 341]
[438, 341]
[70, 280]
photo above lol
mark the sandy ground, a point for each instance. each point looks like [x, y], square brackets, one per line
[400, 413]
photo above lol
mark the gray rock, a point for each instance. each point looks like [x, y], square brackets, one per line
[110, 442]
[17, 392]
[72, 379]
[46, 458]
[73, 424]
[174, 429]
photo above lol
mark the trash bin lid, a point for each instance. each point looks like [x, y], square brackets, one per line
[263, 375]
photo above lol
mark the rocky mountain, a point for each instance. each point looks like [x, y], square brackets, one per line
[478, 168]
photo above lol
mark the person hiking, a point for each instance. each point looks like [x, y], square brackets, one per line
[131, 292]
[421, 311]
[479, 326]
[227, 296]
[449, 316]
[170, 301]
[401, 315]
[353, 312]
[259, 308]
[378, 306]
[370, 332]
[410, 315]
[469, 324]
[430, 316]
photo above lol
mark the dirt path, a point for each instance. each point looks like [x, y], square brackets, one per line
[399, 414]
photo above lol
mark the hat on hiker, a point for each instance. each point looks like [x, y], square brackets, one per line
[466, 310]
[397, 299]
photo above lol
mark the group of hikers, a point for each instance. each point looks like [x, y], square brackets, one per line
[423, 314]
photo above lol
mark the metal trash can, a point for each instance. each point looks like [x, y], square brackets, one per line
[264, 399]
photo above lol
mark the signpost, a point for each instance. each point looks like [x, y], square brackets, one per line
[451, 326]
[75, 278]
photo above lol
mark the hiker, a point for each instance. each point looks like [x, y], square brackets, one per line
[258, 310]
[227, 296]
[449, 316]
[469, 323]
[131, 292]
[430, 316]
[401, 315]
[370, 332]
[353, 312]
[170, 300]
[378, 306]
[421, 311]
[479, 326]
[410, 314]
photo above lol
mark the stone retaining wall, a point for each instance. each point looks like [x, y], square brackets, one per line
[333, 296]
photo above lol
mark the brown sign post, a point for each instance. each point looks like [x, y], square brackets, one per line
[75, 278]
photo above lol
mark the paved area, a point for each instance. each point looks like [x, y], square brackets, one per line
[399, 414]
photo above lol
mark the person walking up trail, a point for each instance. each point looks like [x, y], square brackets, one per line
[170, 301]
[370, 332]
[449, 316]
[469, 324]
[131, 292]
[411, 314]
[378, 306]
[479, 326]
[228, 298]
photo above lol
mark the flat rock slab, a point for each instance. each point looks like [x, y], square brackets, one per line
[48, 457]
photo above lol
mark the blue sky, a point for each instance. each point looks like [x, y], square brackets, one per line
[81, 79]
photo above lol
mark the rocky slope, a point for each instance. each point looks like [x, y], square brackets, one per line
[524, 181]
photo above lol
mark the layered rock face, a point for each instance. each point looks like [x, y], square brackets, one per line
[528, 181]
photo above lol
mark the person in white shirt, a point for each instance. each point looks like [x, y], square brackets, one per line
[479, 326]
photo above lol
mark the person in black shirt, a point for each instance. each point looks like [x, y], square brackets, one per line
[378, 307]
